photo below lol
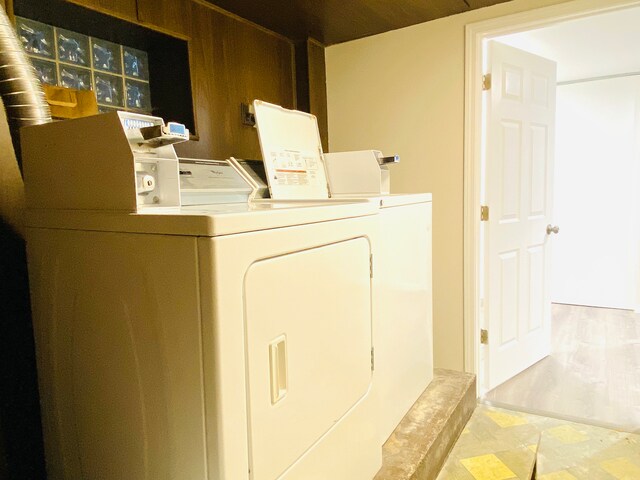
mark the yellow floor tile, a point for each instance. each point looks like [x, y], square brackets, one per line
[568, 451]
[560, 475]
[487, 467]
[622, 468]
[505, 420]
[567, 434]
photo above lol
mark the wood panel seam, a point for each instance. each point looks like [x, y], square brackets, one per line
[240, 19]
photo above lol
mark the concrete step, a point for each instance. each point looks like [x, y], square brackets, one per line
[418, 447]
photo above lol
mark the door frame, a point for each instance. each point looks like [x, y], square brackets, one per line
[475, 35]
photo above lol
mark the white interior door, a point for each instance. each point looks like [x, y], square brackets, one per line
[520, 124]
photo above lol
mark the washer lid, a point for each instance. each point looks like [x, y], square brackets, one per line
[292, 152]
[204, 220]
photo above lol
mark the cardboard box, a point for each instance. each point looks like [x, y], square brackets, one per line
[69, 103]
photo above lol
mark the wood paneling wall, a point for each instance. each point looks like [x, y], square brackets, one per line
[311, 83]
[125, 9]
[232, 62]
[317, 78]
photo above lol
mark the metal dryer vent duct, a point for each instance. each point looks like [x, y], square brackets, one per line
[20, 88]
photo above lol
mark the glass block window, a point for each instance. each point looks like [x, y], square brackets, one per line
[119, 75]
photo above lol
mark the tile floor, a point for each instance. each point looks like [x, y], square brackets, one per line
[592, 374]
[500, 444]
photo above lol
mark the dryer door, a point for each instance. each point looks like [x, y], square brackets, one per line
[308, 344]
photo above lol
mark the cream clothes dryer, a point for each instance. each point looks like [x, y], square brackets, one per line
[219, 342]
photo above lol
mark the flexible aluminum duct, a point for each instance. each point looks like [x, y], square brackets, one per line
[20, 88]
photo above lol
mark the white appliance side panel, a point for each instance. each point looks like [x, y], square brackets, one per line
[95, 156]
[308, 326]
[403, 331]
[353, 173]
[118, 340]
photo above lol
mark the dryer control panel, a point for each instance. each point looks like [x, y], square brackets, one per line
[116, 161]
[205, 182]
[151, 142]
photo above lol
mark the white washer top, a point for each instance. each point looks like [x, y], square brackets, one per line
[387, 200]
[382, 200]
[204, 220]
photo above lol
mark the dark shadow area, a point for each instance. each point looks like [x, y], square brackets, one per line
[21, 447]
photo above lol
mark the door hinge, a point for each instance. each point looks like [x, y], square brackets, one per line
[373, 356]
[484, 337]
[371, 265]
[484, 213]
[486, 82]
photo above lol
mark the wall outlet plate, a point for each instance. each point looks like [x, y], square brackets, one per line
[246, 115]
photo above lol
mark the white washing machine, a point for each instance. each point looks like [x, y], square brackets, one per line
[403, 325]
[219, 342]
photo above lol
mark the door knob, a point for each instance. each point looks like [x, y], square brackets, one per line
[552, 229]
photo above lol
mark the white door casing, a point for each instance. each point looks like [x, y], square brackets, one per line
[520, 122]
[476, 34]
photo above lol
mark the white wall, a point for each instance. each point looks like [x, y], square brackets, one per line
[403, 92]
[588, 47]
[595, 256]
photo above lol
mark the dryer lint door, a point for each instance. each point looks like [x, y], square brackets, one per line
[308, 334]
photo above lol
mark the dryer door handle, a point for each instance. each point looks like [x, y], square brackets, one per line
[278, 368]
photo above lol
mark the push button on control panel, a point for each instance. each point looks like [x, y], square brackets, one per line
[146, 182]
